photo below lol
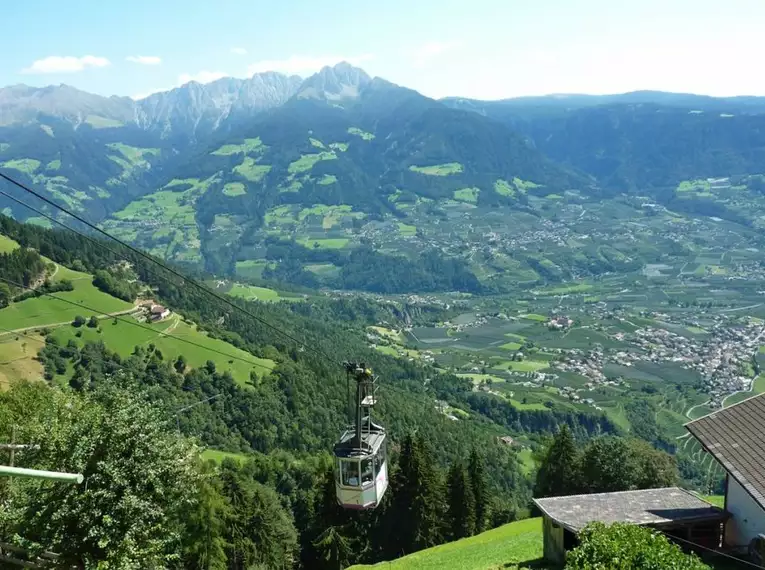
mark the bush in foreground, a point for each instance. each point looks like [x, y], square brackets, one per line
[628, 547]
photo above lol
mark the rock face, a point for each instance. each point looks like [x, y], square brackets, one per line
[343, 81]
[195, 107]
[184, 110]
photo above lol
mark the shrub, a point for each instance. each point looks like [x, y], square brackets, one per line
[628, 547]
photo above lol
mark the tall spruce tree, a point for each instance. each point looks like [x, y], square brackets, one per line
[418, 502]
[560, 471]
[461, 503]
[477, 475]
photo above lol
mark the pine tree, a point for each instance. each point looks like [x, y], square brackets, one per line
[418, 503]
[560, 470]
[461, 502]
[204, 544]
[333, 548]
[477, 477]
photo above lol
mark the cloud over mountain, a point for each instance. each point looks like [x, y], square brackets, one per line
[65, 64]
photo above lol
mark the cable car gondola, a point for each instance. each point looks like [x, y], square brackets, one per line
[361, 469]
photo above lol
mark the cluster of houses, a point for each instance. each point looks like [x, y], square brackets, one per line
[559, 322]
[722, 359]
[586, 363]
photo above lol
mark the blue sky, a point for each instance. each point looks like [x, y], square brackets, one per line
[488, 49]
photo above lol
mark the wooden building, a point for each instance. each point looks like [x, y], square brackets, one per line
[673, 511]
[735, 437]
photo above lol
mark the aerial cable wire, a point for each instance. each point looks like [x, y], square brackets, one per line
[136, 324]
[151, 259]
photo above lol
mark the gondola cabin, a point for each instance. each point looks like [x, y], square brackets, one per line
[361, 471]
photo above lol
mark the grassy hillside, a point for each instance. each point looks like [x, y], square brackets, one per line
[47, 311]
[17, 352]
[17, 358]
[513, 545]
[123, 338]
[7, 244]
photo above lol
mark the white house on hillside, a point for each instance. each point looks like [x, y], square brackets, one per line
[735, 437]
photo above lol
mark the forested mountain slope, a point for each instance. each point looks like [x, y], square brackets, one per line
[639, 140]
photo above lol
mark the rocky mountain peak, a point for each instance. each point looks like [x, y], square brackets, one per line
[341, 81]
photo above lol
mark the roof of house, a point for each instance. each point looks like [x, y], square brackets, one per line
[655, 507]
[735, 436]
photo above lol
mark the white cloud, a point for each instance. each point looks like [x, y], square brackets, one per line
[203, 76]
[426, 52]
[65, 64]
[144, 59]
[298, 64]
[239, 50]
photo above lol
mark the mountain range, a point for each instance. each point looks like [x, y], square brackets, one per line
[215, 173]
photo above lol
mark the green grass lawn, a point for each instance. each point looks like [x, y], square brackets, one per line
[467, 195]
[46, 309]
[565, 290]
[252, 171]
[407, 230]
[503, 188]
[324, 243]
[234, 189]
[717, 500]
[438, 169]
[17, 358]
[511, 346]
[359, 133]
[251, 292]
[306, 161]
[525, 456]
[509, 546]
[7, 244]
[26, 165]
[252, 268]
[523, 366]
[218, 455]
[249, 145]
[534, 317]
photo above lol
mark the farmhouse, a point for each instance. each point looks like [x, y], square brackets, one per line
[735, 437]
[158, 312]
[674, 511]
